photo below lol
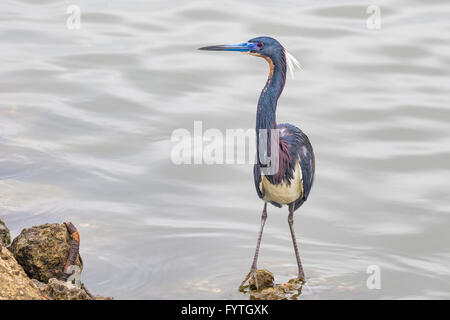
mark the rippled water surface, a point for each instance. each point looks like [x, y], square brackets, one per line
[86, 118]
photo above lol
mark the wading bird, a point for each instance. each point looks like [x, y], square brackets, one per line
[291, 182]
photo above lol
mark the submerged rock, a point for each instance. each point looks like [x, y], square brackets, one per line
[5, 238]
[14, 283]
[98, 297]
[267, 290]
[42, 251]
[290, 290]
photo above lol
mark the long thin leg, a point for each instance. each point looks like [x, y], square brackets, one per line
[255, 258]
[258, 243]
[301, 274]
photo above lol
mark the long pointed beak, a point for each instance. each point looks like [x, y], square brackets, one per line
[241, 47]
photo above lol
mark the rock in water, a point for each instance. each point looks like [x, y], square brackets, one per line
[14, 283]
[290, 290]
[268, 290]
[5, 238]
[42, 251]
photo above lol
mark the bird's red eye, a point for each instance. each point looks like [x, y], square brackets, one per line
[259, 44]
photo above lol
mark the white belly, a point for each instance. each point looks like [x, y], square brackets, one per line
[283, 193]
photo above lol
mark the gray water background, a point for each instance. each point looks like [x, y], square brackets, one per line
[86, 118]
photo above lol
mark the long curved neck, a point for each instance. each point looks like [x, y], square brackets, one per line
[267, 104]
[267, 107]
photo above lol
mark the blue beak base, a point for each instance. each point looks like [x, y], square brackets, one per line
[241, 47]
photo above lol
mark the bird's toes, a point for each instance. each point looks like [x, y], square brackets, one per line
[250, 275]
[301, 279]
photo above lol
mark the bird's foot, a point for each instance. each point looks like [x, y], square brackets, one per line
[301, 278]
[251, 274]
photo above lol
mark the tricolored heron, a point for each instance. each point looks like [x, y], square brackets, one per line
[291, 183]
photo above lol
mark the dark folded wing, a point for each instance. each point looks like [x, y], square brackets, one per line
[300, 149]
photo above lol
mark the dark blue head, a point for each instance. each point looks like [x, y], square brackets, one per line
[260, 46]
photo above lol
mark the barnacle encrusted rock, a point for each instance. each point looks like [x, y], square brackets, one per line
[42, 251]
[5, 238]
[14, 283]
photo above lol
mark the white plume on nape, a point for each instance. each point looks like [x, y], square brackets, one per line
[292, 63]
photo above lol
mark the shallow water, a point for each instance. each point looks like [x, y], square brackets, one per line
[86, 118]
